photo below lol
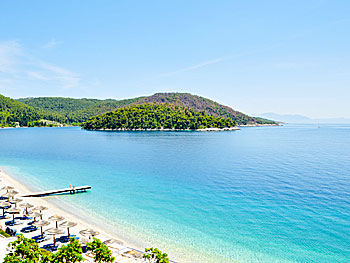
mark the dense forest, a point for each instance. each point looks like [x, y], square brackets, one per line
[54, 111]
[77, 111]
[156, 116]
[14, 113]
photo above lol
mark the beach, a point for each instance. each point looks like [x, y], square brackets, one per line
[7, 180]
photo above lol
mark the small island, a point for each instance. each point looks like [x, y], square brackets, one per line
[158, 116]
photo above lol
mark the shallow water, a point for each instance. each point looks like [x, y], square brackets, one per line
[264, 194]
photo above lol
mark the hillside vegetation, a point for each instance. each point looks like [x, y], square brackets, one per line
[156, 116]
[77, 111]
[13, 113]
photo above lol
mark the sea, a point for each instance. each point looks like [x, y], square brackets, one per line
[260, 194]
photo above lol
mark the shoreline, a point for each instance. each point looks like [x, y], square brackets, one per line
[200, 130]
[54, 208]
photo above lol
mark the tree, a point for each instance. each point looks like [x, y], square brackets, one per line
[101, 251]
[68, 253]
[25, 250]
[154, 255]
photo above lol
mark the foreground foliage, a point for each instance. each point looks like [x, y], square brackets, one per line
[154, 255]
[101, 251]
[28, 251]
[156, 116]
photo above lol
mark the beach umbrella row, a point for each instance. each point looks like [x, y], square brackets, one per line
[11, 193]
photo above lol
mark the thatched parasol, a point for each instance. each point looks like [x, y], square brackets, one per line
[56, 218]
[14, 192]
[26, 206]
[40, 208]
[113, 241]
[40, 224]
[4, 205]
[15, 201]
[37, 214]
[7, 188]
[8, 195]
[13, 211]
[89, 232]
[54, 231]
[68, 224]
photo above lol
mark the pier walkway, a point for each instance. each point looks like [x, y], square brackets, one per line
[70, 190]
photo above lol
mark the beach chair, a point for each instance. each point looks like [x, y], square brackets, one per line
[84, 248]
[41, 239]
[30, 223]
[29, 229]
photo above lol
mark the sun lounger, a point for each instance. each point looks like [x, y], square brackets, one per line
[84, 248]
[29, 229]
[39, 240]
[11, 223]
[23, 217]
[30, 223]
[50, 247]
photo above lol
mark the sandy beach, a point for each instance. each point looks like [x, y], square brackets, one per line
[119, 251]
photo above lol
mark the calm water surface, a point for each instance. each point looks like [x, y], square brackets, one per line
[267, 194]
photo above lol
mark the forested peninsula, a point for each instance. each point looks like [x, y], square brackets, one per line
[58, 111]
[153, 116]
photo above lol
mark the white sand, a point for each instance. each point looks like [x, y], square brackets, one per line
[53, 210]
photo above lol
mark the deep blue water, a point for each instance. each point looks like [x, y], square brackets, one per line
[265, 194]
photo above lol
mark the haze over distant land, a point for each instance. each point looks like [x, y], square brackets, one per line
[296, 118]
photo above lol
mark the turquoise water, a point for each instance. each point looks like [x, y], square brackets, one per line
[265, 194]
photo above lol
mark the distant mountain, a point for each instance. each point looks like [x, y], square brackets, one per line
[290, 118]
[77, 111]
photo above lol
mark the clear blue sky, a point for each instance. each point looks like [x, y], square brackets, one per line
[255, 56]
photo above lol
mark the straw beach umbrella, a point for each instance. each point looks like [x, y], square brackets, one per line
[26, 206]
[8, 196]
[54, 231]
[37, 214]
[7, 188]
[13, 211]
[113, 241]
[89, 232]
[68, 224]
[4, 205]
[56, 218]
[40, 209]
[15, 201]
[40, 224]
[14, 192]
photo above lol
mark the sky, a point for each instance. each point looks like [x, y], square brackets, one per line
[287, 57]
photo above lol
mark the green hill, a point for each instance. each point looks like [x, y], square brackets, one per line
[156, 116]
[13, 113]
[77, 111]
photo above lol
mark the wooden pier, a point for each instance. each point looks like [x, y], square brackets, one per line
[70, 190]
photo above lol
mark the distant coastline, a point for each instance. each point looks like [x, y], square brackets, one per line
[200, 130]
